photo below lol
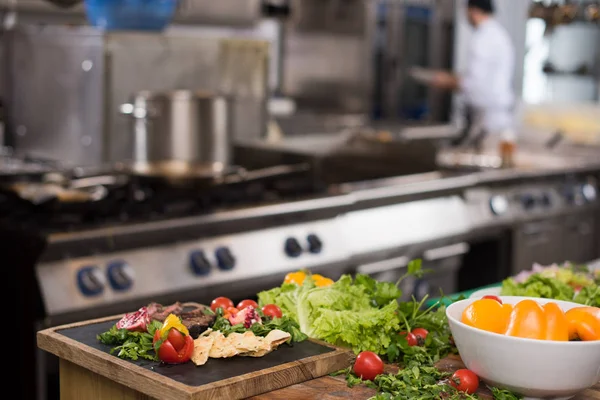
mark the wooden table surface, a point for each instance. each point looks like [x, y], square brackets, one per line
[335, 388]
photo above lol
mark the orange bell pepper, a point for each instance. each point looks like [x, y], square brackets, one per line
[295, 277]
[584, 323]
[487, 314]
[557, 326]
[526, 319]
[321, 281]
[299, 277]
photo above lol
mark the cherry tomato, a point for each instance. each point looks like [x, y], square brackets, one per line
[368, 365]
[221, 302]
[410, 338]
[420, 333]
[465, 380]
[168, 351]
[492, 297]
[247, 303]
[272, 310]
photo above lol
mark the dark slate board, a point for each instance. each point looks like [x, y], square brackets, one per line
[215, 369]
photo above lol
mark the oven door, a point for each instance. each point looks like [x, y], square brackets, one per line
[441, 264]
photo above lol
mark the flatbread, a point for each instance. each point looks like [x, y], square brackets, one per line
[277, 337]
[222, 347]
[248, 341]
[202, 347]
[213, 344]
[273, 340]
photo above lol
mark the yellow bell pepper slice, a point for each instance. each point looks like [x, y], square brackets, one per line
[173, 321]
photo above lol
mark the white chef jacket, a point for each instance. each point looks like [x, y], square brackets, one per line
[487, 84]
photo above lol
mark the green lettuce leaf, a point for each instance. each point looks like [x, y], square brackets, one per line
[359, 313]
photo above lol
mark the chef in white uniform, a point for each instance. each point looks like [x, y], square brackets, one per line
[487, 83]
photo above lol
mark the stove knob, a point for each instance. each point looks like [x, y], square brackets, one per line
[569, 194]
[225, 259]
[546, 200]
[315, 245]
[199, 263]
[589, 192]
[120, 275]
[499, 205]
[528, 201]
[292, 247]
[91, 281]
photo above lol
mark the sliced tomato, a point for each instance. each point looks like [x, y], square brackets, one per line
[169, 354]
[176, 338]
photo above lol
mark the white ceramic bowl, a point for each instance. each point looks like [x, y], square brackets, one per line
[535, 369]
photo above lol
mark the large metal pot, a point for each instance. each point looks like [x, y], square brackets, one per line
[181, 133]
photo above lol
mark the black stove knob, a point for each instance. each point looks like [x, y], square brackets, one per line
[315, 245]
[199, 263]
[120, 275]
[91, 281]
[546, 200]
[569, 194]
[292, 247]
[225, 258]
[528, 201]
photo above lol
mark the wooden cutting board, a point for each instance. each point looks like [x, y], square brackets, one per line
[233, 378]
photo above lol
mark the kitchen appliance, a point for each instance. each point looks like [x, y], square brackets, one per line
[353, 155]
[181, 133]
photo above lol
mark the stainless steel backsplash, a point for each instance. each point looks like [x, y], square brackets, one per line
[67, 85]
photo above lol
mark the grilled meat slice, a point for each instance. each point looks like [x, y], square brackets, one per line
[197, 320]
[197, 325]
[160, 312]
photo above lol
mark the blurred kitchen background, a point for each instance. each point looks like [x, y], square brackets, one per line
[202, 148]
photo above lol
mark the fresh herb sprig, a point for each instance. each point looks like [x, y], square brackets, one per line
[131, 345]
[501, 394]
[412, 383]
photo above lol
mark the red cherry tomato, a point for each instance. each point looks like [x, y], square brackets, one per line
[492, 297]
[169, 353]
[247, 303]
[465, 380]
[221, 302]
[420, 333]
[368, 365]
[272, 310]
[410, 338]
